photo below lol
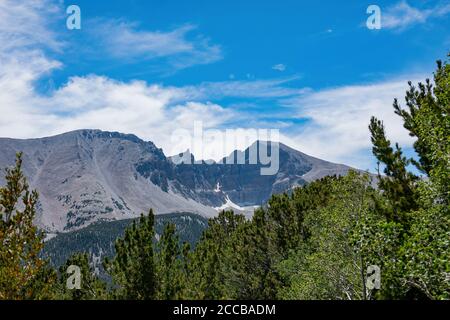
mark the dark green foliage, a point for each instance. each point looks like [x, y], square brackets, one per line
[398, 183]
[169, 264]
[98, 239]
[251, 256]
[237, 258]
[133, 267]
[206, 262]
[287, 214]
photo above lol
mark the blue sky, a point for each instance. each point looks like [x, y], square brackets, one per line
[313, 70]
[324, 42]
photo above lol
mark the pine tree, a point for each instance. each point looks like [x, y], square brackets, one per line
[133, 268]
[398, 183]
[23, 273]
[208, 262]
[250, 260]
[170, 272]
[427, 119]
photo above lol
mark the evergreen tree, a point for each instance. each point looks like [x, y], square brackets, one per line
[398, 183]
[170, 267]
[286, 214]
[23, 273]
[133, 268]
[250, 259]
[208, 261]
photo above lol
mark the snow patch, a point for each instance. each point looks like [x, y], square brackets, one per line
[229, 204]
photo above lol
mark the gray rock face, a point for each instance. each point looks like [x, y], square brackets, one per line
[90, 175]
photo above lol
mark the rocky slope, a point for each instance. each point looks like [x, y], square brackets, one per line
[86, 176]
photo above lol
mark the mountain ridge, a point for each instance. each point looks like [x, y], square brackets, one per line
[89, 175]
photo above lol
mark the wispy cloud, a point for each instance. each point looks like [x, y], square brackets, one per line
[151, 111]
[30, 25]
[338, 119]
[279, 67]
[263, 88]
[84, 101]
[130, 42]
[25, 24]
[402, 15]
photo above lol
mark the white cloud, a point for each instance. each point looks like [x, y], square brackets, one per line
[337, 129]
[31, 24]
[125, 40]
[92, 101]
[266, 88]
[148, 111]
[25, 23]
[402, 15]
[279, 67]
[151, 111]
[24, 35]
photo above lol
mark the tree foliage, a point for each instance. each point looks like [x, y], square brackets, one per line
[414, 251]
[23, 273]
[133, 268]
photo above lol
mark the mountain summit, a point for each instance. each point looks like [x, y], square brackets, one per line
[86, 176]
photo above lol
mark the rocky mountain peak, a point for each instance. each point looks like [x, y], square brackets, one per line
[90, 175]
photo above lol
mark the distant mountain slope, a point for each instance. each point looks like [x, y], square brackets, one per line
[99, 238]
[86, 176]
[89, 175]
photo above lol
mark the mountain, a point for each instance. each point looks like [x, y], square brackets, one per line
[87, 176]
